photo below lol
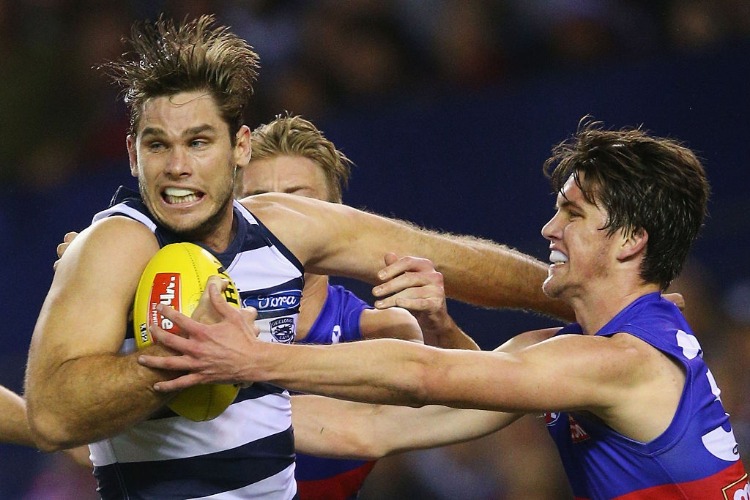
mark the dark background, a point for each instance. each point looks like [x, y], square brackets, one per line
[459, 158]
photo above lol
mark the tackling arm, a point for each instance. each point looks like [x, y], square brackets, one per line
[339, 240]
[343, 429]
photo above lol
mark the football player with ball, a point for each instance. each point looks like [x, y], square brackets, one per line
[290, 155]
[186, 86]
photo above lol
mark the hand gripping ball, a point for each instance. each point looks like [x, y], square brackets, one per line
[176, 276]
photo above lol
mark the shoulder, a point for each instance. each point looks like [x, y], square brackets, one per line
[121, 235]
[115, 245]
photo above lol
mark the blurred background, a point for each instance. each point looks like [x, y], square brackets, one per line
[448, 108]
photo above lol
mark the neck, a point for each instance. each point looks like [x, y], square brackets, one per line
[596, 309]
[223, 234]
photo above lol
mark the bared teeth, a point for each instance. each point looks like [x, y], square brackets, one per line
[173, 191]
[175, 195]
[557, 256]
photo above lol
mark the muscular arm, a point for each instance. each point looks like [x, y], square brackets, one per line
[392, 372]
[619, 378]
[78, 388]
[331, 427]
[340, 240]
[627, 383]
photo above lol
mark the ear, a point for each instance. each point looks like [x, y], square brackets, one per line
[633, 245]
[130, 142]
[242, 147]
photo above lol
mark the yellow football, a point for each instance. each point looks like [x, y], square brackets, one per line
[176, 276]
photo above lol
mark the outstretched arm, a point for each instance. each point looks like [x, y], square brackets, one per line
[343, 429]
[335, 239]
[394, 372]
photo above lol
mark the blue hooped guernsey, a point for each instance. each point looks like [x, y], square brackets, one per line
[330, 478]
[695, 458]
[248, 450]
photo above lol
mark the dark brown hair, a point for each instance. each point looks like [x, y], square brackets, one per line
[167, 59]
[644, 183]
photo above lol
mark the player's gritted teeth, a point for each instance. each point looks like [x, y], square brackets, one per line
[175, 196]
[557, 257]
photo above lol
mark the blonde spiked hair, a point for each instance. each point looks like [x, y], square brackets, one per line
[295, 136]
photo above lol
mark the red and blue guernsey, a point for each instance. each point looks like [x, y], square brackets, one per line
[695, 458]
[328, 478]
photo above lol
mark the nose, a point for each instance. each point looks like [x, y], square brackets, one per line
[551, 229]
[178, 162]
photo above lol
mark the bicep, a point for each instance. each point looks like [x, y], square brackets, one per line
[568, 372]
[331, 238]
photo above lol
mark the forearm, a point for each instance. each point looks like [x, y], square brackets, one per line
[492, 275]
[475, 270]
[91, 398]
[344, 241]
[398, 429]
[386, 371]
[14, 427]
[334, 428]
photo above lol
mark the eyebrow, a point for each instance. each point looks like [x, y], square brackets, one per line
[159, 132]
[287, 190]
[567, 204]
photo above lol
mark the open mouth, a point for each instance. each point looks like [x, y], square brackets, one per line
[177, 196]
[557, 257]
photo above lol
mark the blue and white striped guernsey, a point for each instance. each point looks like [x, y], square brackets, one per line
[247, 451]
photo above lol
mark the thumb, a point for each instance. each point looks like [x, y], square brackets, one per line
[218, 281]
